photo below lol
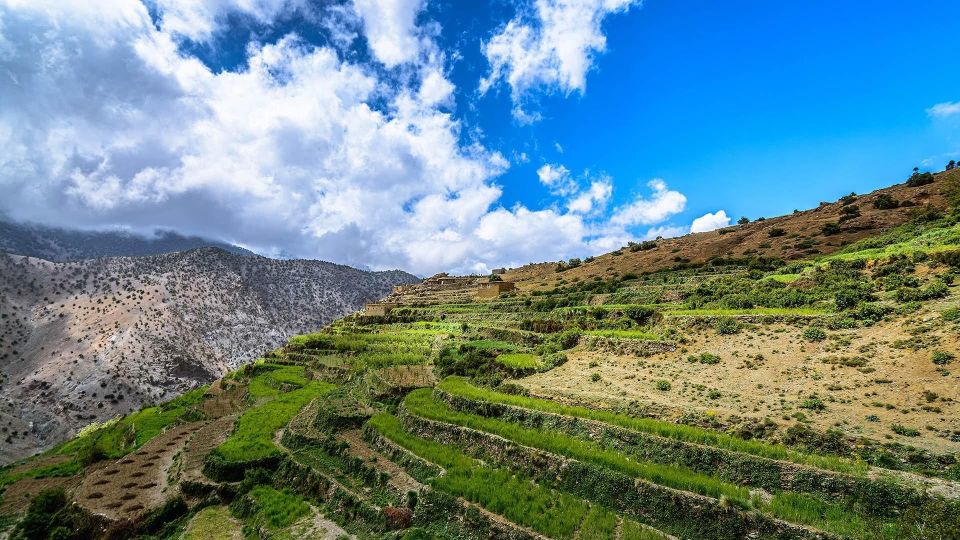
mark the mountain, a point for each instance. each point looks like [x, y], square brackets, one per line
[86, 340]
[57, 244]
[789, 378]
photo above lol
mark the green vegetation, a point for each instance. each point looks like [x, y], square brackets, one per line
[624, 334]
[460, 387]
[520, 361]
[272, 509]
[421, 403]
[212, 523]
[547, 511]
[807, 312]
[253, 437]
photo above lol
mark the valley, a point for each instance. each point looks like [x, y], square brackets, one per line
[665, 391]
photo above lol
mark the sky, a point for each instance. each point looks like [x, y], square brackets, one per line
[443, 135]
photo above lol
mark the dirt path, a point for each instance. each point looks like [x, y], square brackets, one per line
[137, 482]
[317, 527]
[399, 479]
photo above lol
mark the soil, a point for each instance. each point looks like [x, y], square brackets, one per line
[137, 482]
[772, 372]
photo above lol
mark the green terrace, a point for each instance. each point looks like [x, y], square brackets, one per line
[803, 509]
[461, 387]
[547, 511]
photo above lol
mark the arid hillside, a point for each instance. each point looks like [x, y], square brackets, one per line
[802, 234]
[84, 341]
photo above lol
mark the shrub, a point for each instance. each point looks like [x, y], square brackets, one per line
[775, 232]
[814, 334]
[952, 315]
[885, 202]
[905, 431]
[830, 229]
[743, 221]
[595, 377]
[813, 403]
[662, 385]
[704, 358]
[918, 178]
[727, 326]
[942, 358]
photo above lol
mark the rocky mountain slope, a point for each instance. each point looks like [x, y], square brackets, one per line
[84, 341]
[56, 244]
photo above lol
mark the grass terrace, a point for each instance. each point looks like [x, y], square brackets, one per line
[623, 334]
[799, 311]
[422, 403]
[550, 512]
[253, 437]
[461, 387]
[520, 361]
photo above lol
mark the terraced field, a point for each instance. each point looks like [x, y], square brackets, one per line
[740, 398]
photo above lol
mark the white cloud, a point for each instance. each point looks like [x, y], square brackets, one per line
[664, 231]
[557, 179]
[942, 110]
[435, 89]
[390, 27]
[200, 19]
[709, 222]
[105, 121]
[551, 48]
[663, 204]
[593, 199]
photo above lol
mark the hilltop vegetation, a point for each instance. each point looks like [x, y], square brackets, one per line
[748, 396]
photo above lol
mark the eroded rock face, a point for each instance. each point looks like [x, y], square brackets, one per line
[84, 341]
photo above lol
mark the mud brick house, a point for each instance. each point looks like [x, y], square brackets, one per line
[494, 289]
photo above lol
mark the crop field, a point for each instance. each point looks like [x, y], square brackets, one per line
[738, 398]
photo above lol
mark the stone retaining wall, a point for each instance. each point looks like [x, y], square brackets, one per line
[635, 347]
[651, 503]
[878, 496]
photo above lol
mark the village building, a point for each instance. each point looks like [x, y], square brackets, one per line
[494, 289]
[378, 309]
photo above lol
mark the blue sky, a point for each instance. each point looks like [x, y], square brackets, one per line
[449, 135]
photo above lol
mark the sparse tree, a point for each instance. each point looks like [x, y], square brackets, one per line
[743, 221]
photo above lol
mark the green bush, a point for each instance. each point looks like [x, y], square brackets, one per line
[726, 326]
[942, 358]
[814, 334]
[885, 202]
[905, 431]
[704, 358]
[662, 385]
[830, 229]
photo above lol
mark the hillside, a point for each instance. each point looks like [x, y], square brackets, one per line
[805, 397]
[795, 236]
[84, 341]
[60, 245]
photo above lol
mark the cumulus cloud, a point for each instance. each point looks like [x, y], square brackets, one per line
[709, 222]
[199, 20]
[661, 205]
[106, 121]
[391, 30]
[550, 47]
[945, 109]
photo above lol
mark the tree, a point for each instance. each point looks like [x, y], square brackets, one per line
[951, 165]
[743, 221]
